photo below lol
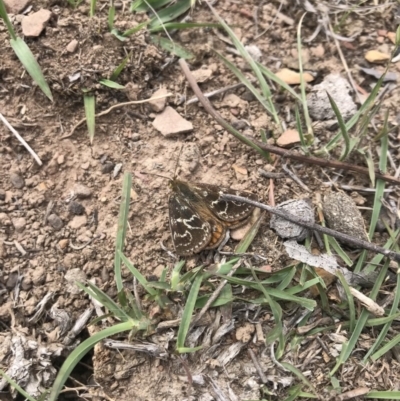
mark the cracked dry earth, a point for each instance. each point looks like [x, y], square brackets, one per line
[58, 222]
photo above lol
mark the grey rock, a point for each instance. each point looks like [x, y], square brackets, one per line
[76, 208]
[19, 224]
[82, 191]
[55, 222]
[17, 180]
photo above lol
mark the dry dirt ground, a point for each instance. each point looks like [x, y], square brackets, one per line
[36, 211]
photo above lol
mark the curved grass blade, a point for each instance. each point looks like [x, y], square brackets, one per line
[4, 16]
[139, 276]
[141, 5]
[100, 296]
[188, 312]
[135, 29]
[299, 375]
[27, 59]
[169, 13]
[384, 330]
[80, 351]
[116, 73]
[16, 386]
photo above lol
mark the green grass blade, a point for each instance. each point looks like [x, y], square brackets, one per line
[386, 348]
[169, 13]
[362, 320]
[299, 127]
[15, 385]
[269, 74]
[246, 241]
[341, 253]
[188, 312]
[176, 275]
[383, 395]
[111, 84]
[380, 184]
[148, 5]
[139, 276]
[265, 90]
[4, 16]
[184, 25]
[121, 231]
[310, 135]
[79, 352]
[350, 300]
[225, 297]
[116, 73]
[171, 47]
[90, 111]
[27, 59]
[96, 293]
[384, 330]
[342, 127]
[299, 375]
[242, 78]
[111, 16]
[135, 29]
[92, 8]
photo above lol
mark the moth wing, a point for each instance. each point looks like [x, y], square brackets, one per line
[190, 232]
[227, 211]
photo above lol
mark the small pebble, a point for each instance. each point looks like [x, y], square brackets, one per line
[76, 208]
[55, 222]
[63, 243]
[82, 191]
[17, 180]
[38, 275]
[135, 137]
[60, 159]
[12, 280]
[19, 224]
[26, 284]
[71, 47]
[85, 166]
[107, 168]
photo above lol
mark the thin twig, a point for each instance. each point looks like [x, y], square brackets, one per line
[336, 164]
[258, 145]
[315, 227]
[115, 106]
[19, 137]
[257, 366]
[195, 99]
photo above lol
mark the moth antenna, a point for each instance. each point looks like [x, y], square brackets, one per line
[157, 175]
[177, 161]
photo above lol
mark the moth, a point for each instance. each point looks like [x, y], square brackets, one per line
[199, 218]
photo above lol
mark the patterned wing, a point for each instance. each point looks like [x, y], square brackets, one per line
[190, 232]
[231, 212]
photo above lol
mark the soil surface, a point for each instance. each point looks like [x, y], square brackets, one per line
[58, 222]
